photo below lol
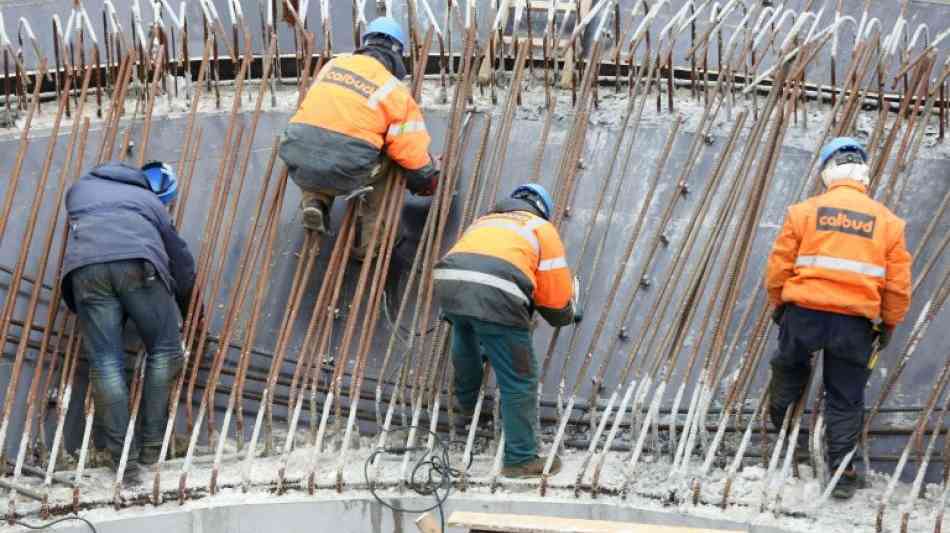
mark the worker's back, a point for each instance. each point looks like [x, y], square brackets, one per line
[345, 99]
[114, 216]
[507, 264]
[354, 110]
[850, 257]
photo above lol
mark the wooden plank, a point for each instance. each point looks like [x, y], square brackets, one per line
[536, 42]
[512, 523]
[537, 5]
[426, 523]
[568, 73]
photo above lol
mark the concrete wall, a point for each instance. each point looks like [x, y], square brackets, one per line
[925, 187]
[365, 515]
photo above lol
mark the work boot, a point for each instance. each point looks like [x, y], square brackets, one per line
[149, 455]
[132, 475]
[533, 468]
[312, 212]
[849, 483]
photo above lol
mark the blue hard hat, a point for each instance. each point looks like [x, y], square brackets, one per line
[161, 179]
[389, 27]
[537, 195]
[841, 144]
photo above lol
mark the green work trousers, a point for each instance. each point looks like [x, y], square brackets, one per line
[516, 371]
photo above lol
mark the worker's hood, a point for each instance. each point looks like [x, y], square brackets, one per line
[507, 205]
[122, 173]
[391, 60]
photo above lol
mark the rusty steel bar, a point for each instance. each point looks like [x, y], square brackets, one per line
[369, 326]
[250, 335]
[190, 128]
[43, 264]
[252, 250]
[921, 325]
[199, 328]
[14, 178]
[247, 254]
[70, 362]
[207, 397]
[601, 324]
[25, 241]
[225, 167]
[153, 89]
[331, 289]
[444, 193]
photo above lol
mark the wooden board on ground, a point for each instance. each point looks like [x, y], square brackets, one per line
[516, 523]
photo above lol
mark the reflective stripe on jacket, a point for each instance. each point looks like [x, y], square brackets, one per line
[355, 110]
[842, 252]
[507, 264]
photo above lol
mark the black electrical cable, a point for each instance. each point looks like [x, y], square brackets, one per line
[54, 522]
[397, 328]
[434, 465]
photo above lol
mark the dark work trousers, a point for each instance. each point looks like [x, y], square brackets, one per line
[105, 295]
[512, 358]
[847, 344]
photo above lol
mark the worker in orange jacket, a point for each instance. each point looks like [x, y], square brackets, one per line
[507, 264]
[355, 122]
[839, 278]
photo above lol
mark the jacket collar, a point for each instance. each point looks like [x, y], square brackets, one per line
[120, 172]
[852, 184]
[507, 205]
[389, 59]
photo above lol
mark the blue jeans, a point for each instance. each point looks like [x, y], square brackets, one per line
[512, 358]
[105, 295]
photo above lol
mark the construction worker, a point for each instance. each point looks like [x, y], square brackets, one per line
[124, 259]
[507, 264]
[356, 121]
[839, 280]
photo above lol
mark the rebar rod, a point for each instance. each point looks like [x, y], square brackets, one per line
[43, 264]
[921, 325]
[25, 242]
[266, 235]
[618, 277]
[14, 178]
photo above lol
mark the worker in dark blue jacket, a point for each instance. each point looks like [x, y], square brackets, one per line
[124, 259]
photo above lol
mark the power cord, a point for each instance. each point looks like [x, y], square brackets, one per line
[399, 328]
[432, 475]
[54, 522]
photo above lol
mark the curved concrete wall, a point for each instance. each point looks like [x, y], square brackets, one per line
[362, 514]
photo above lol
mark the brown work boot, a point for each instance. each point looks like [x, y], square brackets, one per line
[533, 468]
[313, 212]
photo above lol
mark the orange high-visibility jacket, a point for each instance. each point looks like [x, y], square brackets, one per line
[355, 110]
[507, 264]
[842, 252]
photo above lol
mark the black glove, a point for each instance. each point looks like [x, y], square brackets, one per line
[883, 335]
[777, 314]
[424, 181]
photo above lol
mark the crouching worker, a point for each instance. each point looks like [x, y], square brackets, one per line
[355, 122]
[838, 266]
[124, 259]
[507, 264]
